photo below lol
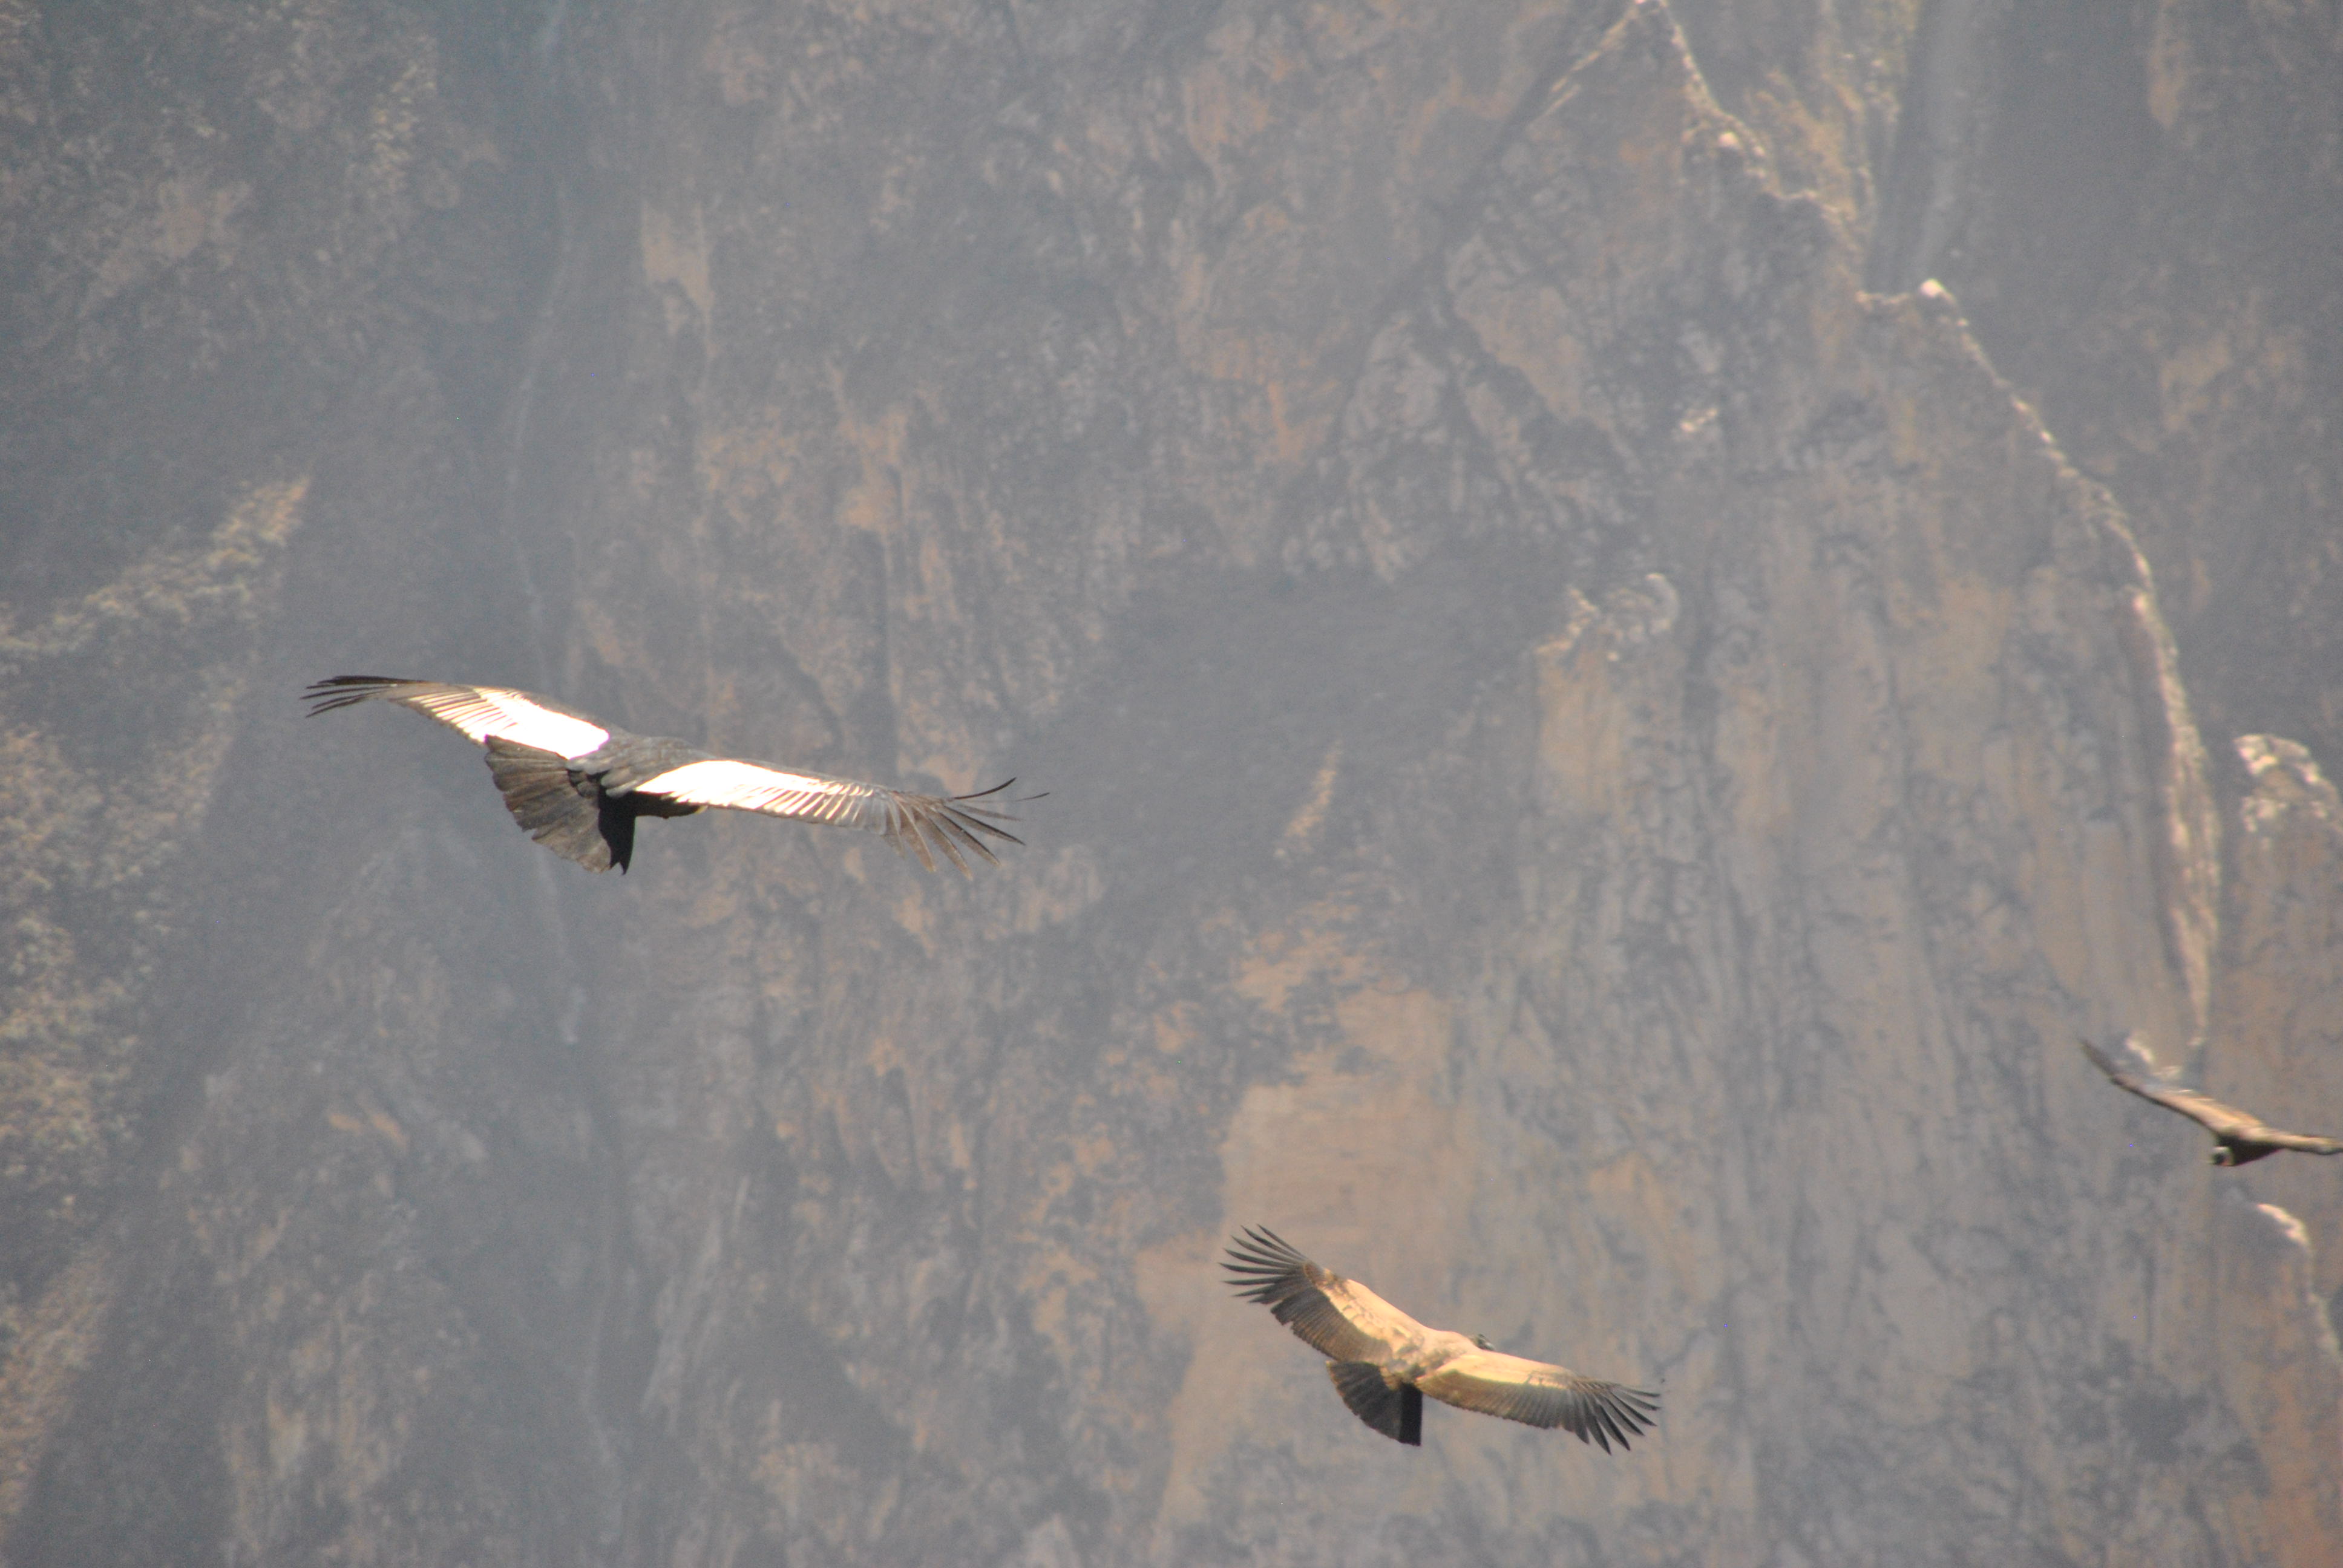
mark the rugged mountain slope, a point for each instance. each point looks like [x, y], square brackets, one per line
[1596, 769]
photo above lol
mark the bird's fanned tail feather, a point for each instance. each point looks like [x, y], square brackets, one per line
[1396, 1412]
[574, 822]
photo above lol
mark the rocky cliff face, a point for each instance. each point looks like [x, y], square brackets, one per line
[1600, 753]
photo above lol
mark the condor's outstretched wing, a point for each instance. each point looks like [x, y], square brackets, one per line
[1340, 1318]
[949, 823]
[2240, 1131]
[1540, 1394]
[478, 711]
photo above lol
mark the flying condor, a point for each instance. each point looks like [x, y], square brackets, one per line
[578, 785]
[2239, 1136]
[1383, 1362]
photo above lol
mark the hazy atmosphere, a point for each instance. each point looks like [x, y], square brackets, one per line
[1632, 615]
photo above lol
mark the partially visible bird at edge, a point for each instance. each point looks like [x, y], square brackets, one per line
[1382, 1362]
[579, 785]
[2239, 1136]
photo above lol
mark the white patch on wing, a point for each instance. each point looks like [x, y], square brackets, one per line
[481, 712]
[1497, 1367]
[745, 786]
[1373, 1316]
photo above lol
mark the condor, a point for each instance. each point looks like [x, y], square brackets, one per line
[2239, 1136]
[578, 785]
[1382, 1362]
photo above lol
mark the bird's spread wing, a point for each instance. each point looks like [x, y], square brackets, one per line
[1543, 1394]
[479, 711]
[918, 820]
[1341, 1319]
[2224, 1122]
[2301, 1142]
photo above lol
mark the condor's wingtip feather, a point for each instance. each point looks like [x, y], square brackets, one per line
[1626, 1412]
[963, 812]
[345, 691]
[927, 828]
[954, 829]
[1262, 1265]
[989, 794]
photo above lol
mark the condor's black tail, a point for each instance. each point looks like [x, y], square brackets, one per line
[1396, 1412]
[565, 812]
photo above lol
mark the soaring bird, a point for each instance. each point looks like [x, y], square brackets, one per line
[2239, 1136]
[1384, 1362]
[578, 785]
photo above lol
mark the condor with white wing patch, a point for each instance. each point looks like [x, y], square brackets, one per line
[1382, 1362]
[580, 786]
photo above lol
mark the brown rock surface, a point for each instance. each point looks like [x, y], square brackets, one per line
[2149, 233]
[1596, 770]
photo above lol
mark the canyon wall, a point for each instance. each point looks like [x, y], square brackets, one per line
[1632, 614]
